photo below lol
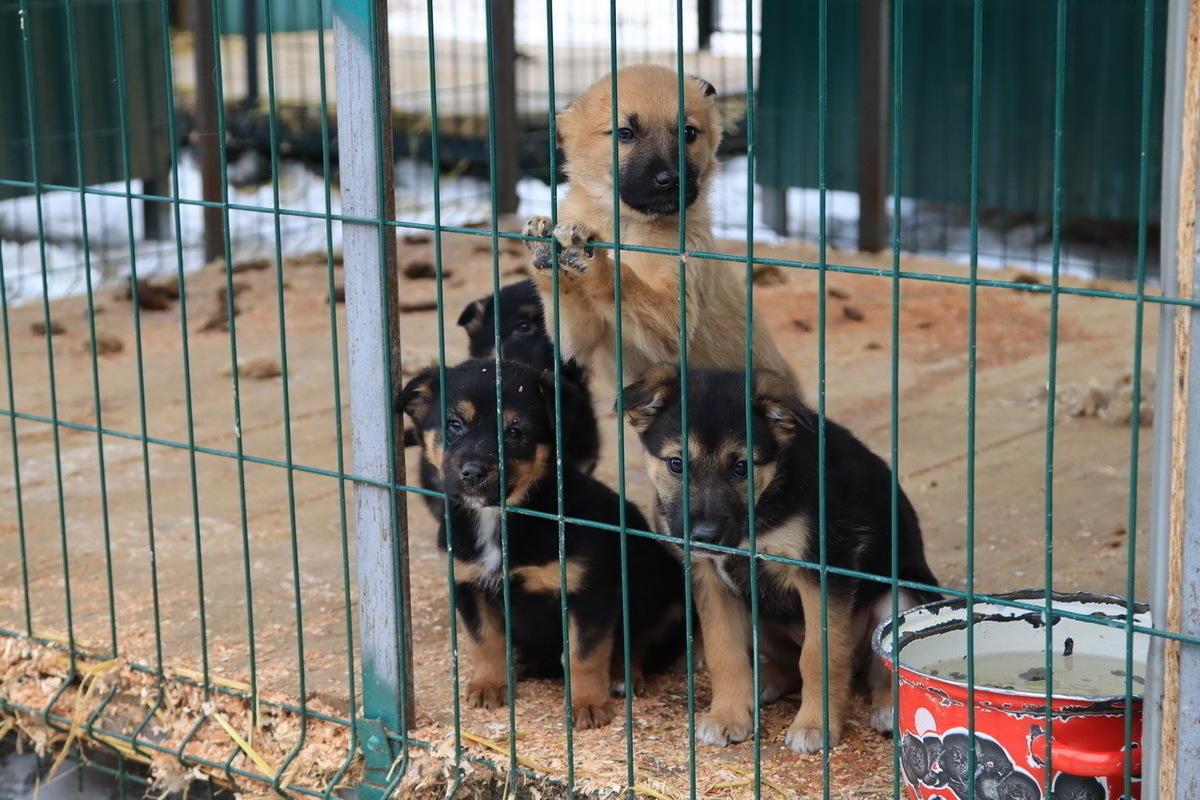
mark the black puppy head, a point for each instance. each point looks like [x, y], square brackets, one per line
[648, 134]
[466, 455]
[523, 335]
[720, 460]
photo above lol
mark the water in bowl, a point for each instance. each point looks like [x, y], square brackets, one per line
[1078, 674]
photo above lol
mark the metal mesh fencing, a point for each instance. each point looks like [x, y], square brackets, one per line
[220, 565]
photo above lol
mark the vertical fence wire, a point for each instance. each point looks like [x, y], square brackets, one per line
[505, 526]
[235, 378]
[748, 418]
[1060, 57]
[10, 387]
[97, 407]
[140, 356]
[822, 352]
[1136, 399]
[439, 272]
[185, 353]
[26, 52]
[972, 338]
[897, 111]
[619, 406]
[285, 399]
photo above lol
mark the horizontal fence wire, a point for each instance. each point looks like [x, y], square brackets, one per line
[182, 576]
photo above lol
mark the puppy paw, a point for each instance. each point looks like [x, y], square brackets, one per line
[881, 719]
[619, 687]
[574, 251]
[543, 258]
[486, 696]
[592, 715]
[711, 729]
[805, 739]
[769, 693]
[776, 680]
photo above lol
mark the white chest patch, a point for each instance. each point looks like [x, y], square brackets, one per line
[487, 526]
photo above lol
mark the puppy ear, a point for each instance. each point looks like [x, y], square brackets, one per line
[563, 121]
[647, 396]
[471, 317]
[706, 87]
[419, 395]
[776, 400]
[546, 386]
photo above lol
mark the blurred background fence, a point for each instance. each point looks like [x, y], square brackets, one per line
[129, 95]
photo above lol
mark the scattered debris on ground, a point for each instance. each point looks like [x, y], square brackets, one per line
[1112, 402]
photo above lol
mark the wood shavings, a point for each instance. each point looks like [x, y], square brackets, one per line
[119, 702]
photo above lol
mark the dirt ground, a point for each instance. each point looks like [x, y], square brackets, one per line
[117, 557]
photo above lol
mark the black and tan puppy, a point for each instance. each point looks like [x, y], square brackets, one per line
[468, 468]
[784, 466]
[648, 185]
[523, 337]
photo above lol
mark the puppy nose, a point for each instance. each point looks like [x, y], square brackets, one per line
[707, 532]
[472, 473]
[667, 179]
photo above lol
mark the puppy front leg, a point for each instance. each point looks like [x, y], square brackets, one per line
[591, 656]
[484, 626]
[817, 669]
[585, 326]
[726, 626]
[649, 292]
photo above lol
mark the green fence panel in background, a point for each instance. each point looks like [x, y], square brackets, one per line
[286, 16]
[1103, 81]
[101, 124]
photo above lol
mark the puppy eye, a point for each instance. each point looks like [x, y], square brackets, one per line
[625, 134]
[740, 469]
[525, 326]
[690, 133]
[675, 464]
[514, 434]
[454, 426]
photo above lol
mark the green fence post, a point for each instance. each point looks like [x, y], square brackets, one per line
[373, 343]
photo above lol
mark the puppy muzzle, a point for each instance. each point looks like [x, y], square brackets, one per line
[472, 483]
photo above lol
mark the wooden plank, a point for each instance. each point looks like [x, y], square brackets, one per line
[504, 107]
[206, 134]
[874, 31]
[1182, 616]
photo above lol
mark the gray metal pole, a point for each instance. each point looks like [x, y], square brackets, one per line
[1171, 737]
[373, 343]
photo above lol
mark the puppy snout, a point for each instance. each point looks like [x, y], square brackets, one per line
[667, 179]
[706, 532]
[472, 473]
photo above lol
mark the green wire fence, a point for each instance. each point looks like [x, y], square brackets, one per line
[210, 574]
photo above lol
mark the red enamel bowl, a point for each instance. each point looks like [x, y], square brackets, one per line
[1079, 738]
